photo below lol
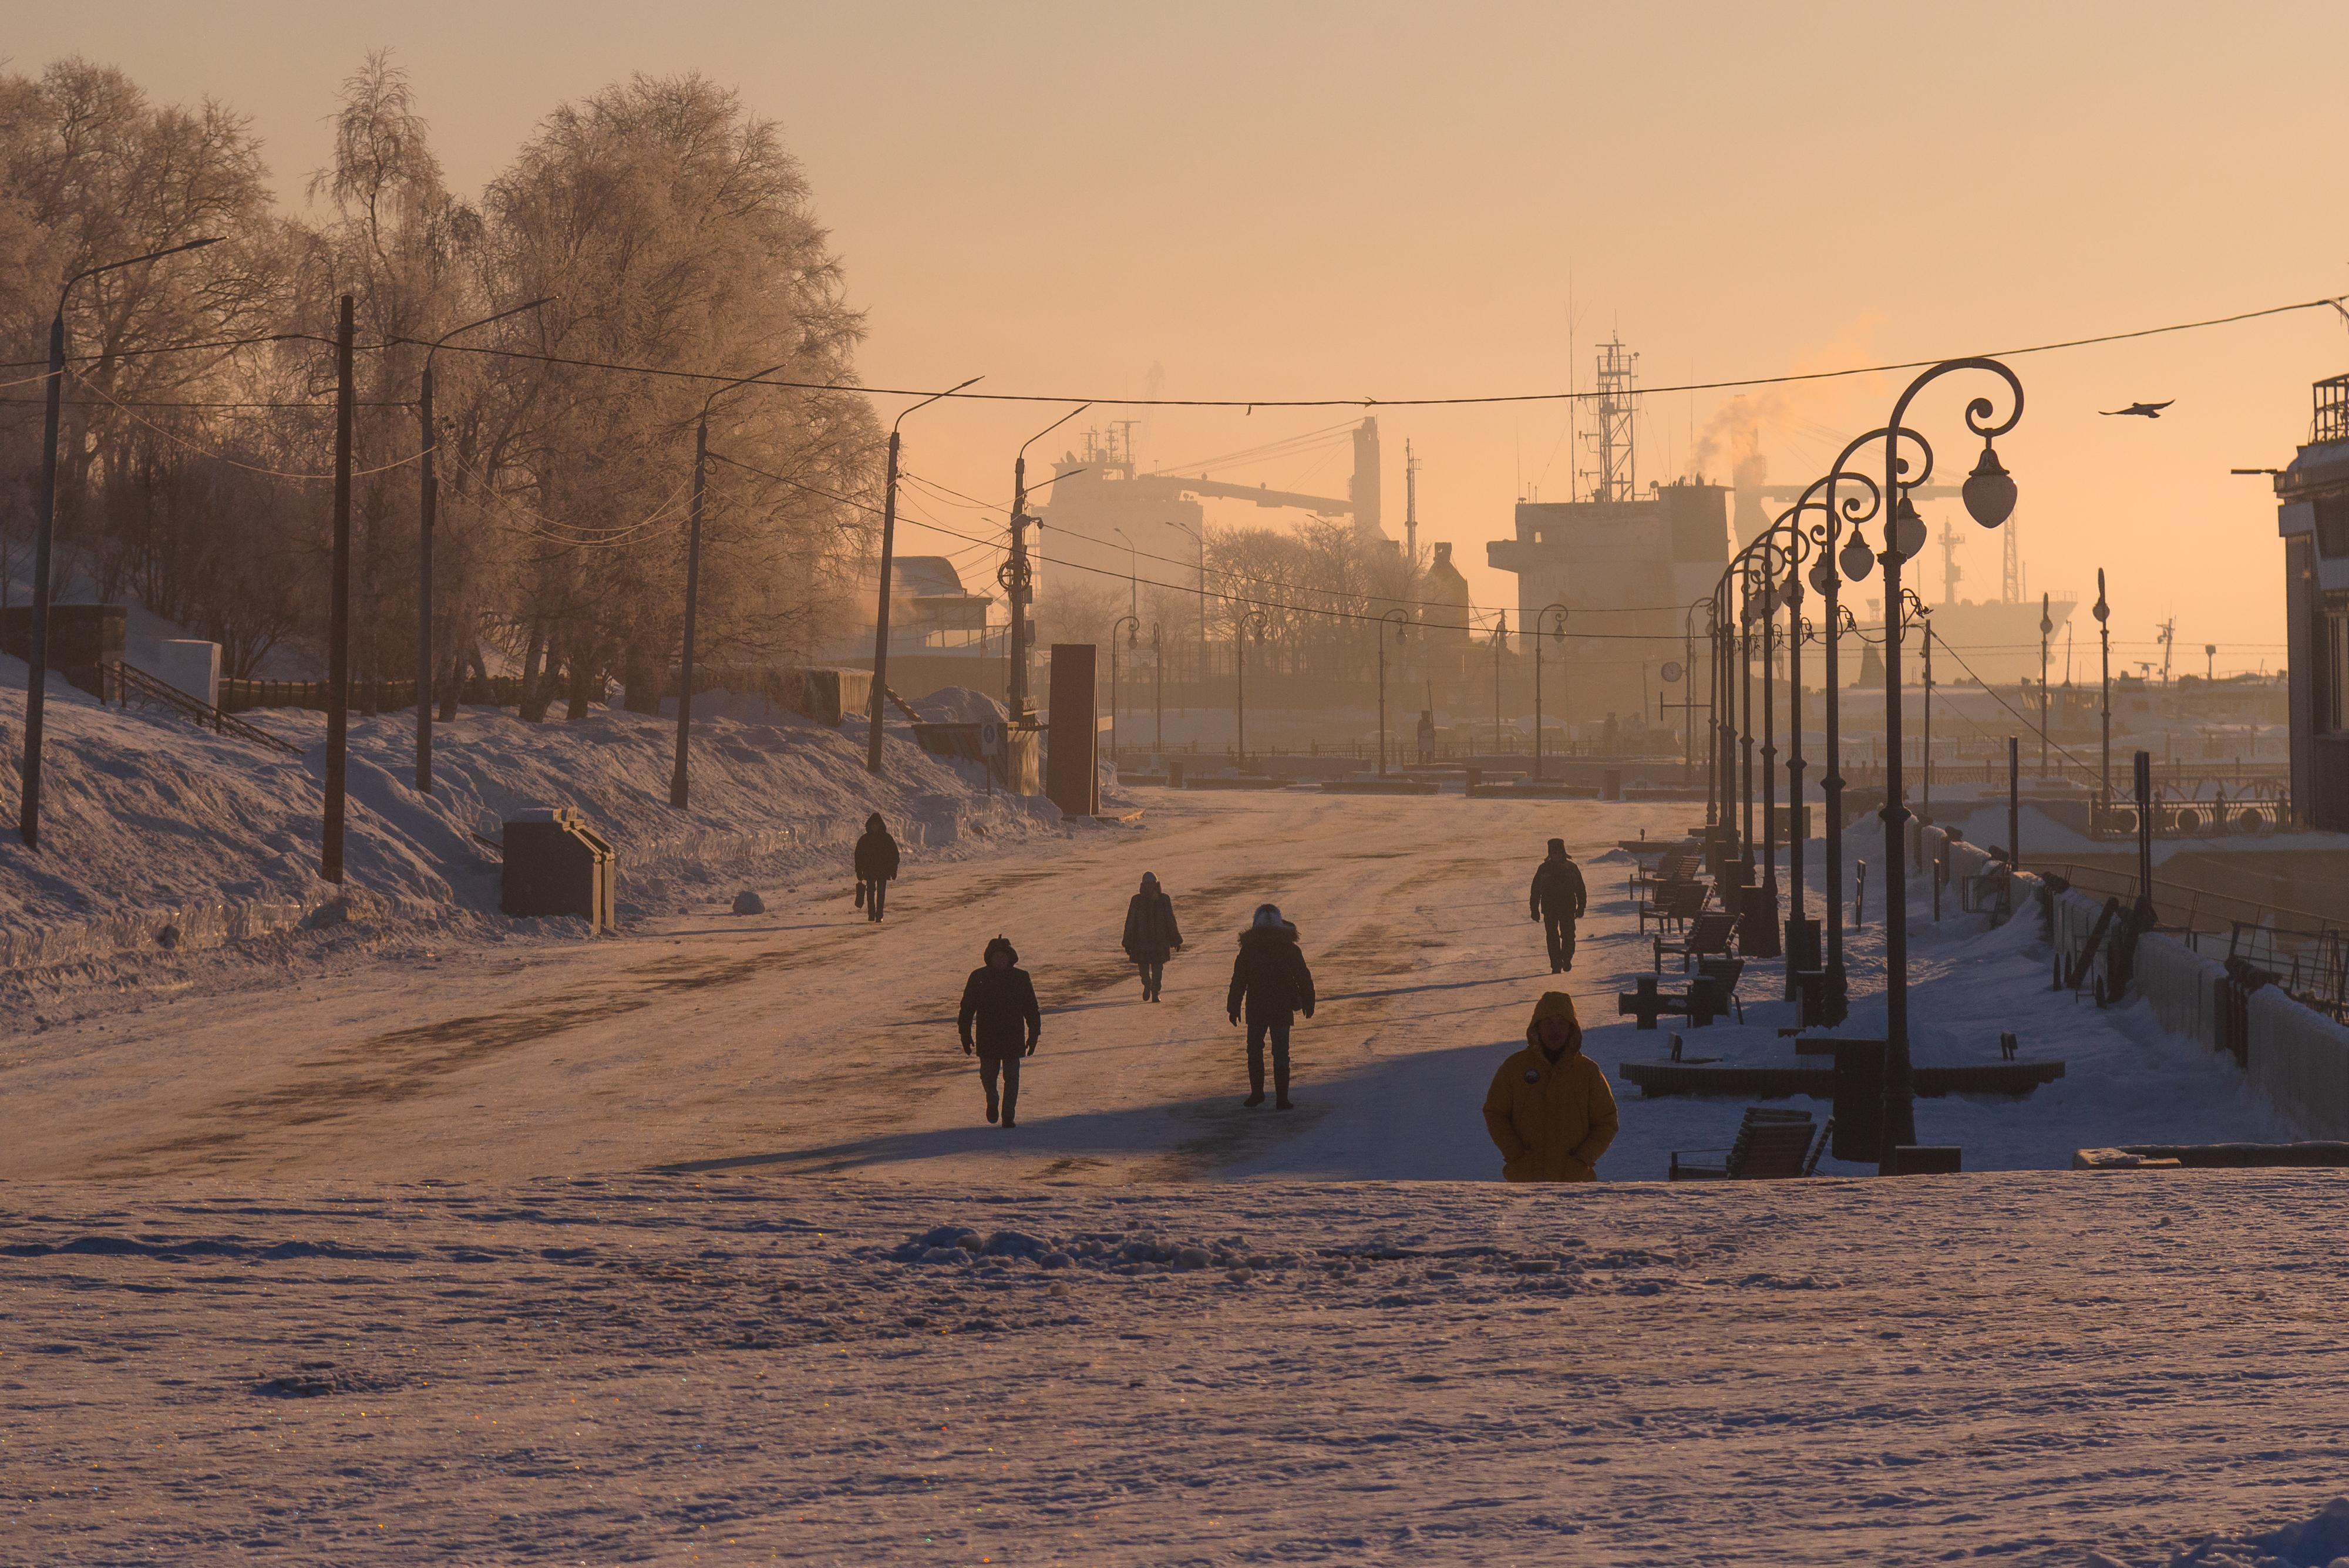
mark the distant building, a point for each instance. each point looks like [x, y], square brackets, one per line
[1626, 572]
[2313, 515]
[939, 631]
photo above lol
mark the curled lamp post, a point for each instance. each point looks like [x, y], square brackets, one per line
[1989, 495]
[881, 611]
[2104, 614]
[36, 652]
[1401, 621]
[428, 514]
[1545, 627]
[1688, 701]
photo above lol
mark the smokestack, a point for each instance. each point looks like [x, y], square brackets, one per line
[1362, 490]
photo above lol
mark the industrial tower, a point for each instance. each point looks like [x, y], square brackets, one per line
[1616, 477]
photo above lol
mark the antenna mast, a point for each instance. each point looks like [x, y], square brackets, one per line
[2011, 590]
[1410, 510]
[1617, 476]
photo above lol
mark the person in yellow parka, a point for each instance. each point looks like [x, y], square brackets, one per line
[1549, 1110]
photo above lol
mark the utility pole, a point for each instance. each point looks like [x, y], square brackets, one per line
[881, 612]
[338, 615]
[36, 655]
[1019, 577]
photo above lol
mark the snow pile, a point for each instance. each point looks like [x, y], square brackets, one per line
[2319, 1543]
[150, 824]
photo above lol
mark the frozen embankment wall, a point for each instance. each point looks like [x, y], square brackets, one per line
[2297, 1056]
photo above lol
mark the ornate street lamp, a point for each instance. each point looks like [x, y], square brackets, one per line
[1544, 626]
[1688, 701]
[1989, 495]
[2104, 614]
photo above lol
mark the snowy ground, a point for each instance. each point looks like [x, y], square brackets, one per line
[2021, 1368]
[598, 1251]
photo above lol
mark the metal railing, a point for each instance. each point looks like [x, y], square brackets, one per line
[133, 682]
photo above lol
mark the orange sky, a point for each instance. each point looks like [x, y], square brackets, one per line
[1267, 200]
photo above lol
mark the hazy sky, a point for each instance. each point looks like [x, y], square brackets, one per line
[1273, 200]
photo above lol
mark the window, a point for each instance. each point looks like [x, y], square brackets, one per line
[2333, 699]
[2332, 525]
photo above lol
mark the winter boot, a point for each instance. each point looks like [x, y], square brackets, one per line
[1280, 1089]
[993, 1108]
[1256, 1085]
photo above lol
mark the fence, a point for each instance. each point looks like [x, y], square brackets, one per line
[2297, 1056]
[238, 696]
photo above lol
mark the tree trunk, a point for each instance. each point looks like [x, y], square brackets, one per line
[644, 679]
[583, 686]
[533, 701]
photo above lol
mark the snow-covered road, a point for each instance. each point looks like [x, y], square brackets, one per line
[806, 1040]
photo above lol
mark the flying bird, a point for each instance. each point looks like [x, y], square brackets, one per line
[2150, 411]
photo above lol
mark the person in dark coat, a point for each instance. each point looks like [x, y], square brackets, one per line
[1426, 737]
[1270, 980]
[1558, 901]
[876, 865]
[999, 1023]
[1151, 934]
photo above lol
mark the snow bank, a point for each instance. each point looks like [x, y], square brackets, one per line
[2318, 1542]
[156, 833]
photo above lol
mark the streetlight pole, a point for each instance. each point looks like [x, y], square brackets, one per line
[1688, 704]
[1017, 579]
[1543, 627]
[1989, 495]
[1200, 539]
[1250, 620]
[2047, 630]
[1765, 603]
[1133, 625]
[881, 612]
[1133, 574]
[37, 654]
[1500, 643]
[678, 778]
[2103, 613]
[1401, 621]
[1158, 673]
[428, 515]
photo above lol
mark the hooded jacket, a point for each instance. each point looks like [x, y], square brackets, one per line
[999, 1015]
[1150, 930]
[1558, 889]
[877, 853]
[1269, 975]
[1550, 1120]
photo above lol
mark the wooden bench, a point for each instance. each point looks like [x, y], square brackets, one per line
[1709, 935]
[1771, 1146]
[1683, 864]
[1673, 902]
[1704, 1000]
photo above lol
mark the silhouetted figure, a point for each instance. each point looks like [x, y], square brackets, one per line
[876, 865]
[1426, 738]
[1151, 934]
[999, 1023]
[2144, 410]
[1270, 980]
[1549, 1109]
[1558, 901]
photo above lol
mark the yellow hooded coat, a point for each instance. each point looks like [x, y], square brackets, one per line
[1551, 1120]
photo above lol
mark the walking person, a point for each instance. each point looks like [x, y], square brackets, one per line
[1151, 934]
[1426, 737]
[1558, 901]
[999, 1022]
[876, 865]
[1549, 1109]
[1272, 984]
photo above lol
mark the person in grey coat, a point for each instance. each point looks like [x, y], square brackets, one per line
[1151, 935]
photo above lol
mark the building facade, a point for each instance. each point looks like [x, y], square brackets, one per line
[1627, 572]
[2313, 515]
